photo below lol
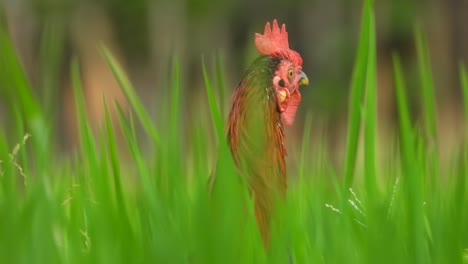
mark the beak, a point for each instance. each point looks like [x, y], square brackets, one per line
[303, 79]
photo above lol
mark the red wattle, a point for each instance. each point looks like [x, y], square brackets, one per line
[290, 112]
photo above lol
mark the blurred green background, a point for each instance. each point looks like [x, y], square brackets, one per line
[144, 35]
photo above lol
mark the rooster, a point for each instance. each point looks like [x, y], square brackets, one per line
[264, 101]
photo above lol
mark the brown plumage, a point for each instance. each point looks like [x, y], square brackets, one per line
[266, 98]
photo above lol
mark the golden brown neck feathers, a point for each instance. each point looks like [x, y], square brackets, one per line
[255, 134]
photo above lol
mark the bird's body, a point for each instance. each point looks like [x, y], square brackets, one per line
[265, 99]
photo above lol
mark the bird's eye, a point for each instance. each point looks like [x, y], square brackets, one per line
[290, 73]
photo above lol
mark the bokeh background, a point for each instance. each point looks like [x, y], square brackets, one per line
[145, 35]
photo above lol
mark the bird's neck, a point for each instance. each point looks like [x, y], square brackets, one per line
[254, 128]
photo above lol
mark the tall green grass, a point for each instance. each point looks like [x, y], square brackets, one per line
[100, 205]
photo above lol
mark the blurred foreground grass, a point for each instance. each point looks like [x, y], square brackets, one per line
[153, 206]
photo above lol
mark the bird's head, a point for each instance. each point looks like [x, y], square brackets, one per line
[288, 75]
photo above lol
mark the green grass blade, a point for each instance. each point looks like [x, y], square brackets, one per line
[87, 141]
[13, 76]
[173, 174]
[214, 109]
[130, 136]
[464, 85]
[412, 175]
[115, 164]
[220, 78]
[356, 100]
[370, 111]
[461, 197]
[14, 85]
[431, 174]
[175, 102]
[132, 97]
[7, 177]
[425, 76]
[51, 56]
[22, 157]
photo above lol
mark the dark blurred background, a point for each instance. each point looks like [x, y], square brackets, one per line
[144, 35]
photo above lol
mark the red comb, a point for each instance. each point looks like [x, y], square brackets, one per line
[274, 42]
